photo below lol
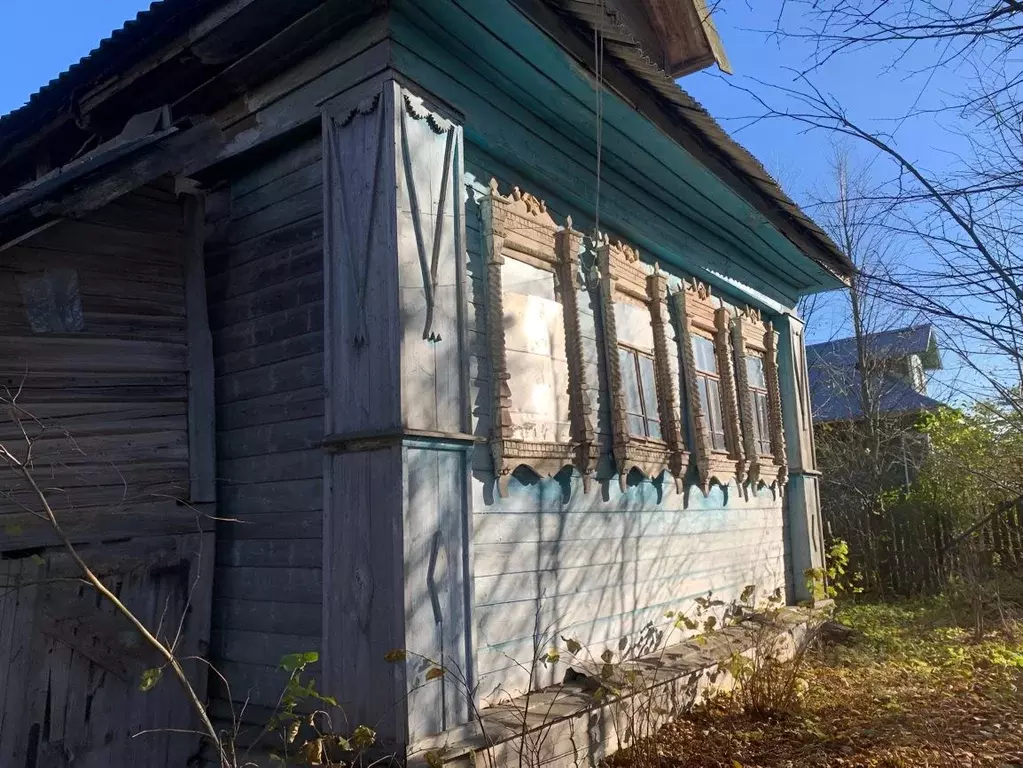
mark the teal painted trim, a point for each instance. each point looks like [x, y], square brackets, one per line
[789, 387]
[439, 444]
[480, 167]
[552, 95]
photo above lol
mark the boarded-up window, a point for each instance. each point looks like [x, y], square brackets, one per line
[534, 333]
[53, 302]
[541, 412]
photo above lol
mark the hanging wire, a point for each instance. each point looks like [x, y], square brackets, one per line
[598, 58]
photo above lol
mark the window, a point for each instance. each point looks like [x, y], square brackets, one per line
[642, 368]
[756, 356]
[704, 329]
[640, 387]
[761, 422]
[709, 385]
[541, 415]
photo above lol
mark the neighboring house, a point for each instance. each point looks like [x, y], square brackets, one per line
[339, 379]
[890, 386]
[898, 363]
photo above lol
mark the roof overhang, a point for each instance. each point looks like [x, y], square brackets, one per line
[149, 147]
[678, 34]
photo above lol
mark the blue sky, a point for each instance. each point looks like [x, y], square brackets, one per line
[39, 39]
[867, 86]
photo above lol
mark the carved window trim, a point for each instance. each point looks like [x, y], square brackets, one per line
[755, 336]
[503, 218]
[623, 277]
[699, 313]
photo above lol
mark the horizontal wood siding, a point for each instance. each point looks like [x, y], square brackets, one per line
[110, 398]
[551, 561]
[264, 281]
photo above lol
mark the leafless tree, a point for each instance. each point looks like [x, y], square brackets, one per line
[864, 455]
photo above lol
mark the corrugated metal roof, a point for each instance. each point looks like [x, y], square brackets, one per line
[835, 378]
[835, 395]
[899, 342]
[166, 19]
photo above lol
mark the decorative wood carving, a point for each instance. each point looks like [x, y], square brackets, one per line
[355, 207]
[754, 335]
[413, 108]
[624, 278]
[519, 227]
[700, 314]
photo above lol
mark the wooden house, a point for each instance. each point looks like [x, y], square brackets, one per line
[358, 326]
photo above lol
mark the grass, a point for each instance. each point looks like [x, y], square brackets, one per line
[914, 688]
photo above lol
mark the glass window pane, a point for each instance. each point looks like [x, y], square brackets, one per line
[649, 383]
[755, 371]
[654, 429]
[627, 363]
[764, 419]
[637, 426]
[703, 351]
[701, 386]
[717, 425]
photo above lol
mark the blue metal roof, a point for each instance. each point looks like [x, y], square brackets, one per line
[835, 379]
[835, 395]
[900, 342]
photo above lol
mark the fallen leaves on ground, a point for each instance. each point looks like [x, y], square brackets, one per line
[913, 690]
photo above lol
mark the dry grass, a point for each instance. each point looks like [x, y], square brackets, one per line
[913, 689]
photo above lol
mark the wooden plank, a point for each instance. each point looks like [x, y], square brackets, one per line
[292, 294]
[293, 465]
[45, 354]
[270, 438]
[198, 627]
[269, 553]
[291, 185]
[363, 548]
[23, 530]
[266, 648]
[285, 585]
[292, 405]
[201, 416]
[285, 376]
[258, 357]
[228, 257]
[288, 496]
[245, 525]
[261, 616]
[275, 327]
[301, 259]
[291, 99]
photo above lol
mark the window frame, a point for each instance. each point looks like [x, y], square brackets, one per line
[624, 278]
[518, 226]
[701, 314]
[754, 336]
[635, 353]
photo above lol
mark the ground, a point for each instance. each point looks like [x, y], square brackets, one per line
[912, 688]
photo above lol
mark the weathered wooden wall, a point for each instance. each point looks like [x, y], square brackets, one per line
[551, 560]
[118, 387]
[265, 287]
[111, 448]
